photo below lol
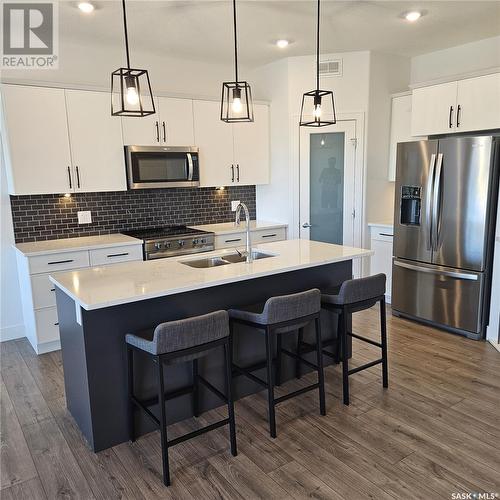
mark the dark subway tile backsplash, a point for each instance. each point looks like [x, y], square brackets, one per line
[51, 216]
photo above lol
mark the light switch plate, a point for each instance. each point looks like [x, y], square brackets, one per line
[85, 217]
[234, 205]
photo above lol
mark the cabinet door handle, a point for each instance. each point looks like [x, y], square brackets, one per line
[77, 177]
[232, 173]
[450, 122]
[233, 241]
[386, 234]
[60, 262]
[164, 133]
[52, 289]
[69, 178]
[269, 235]
[237, 172]
[458, 115]
[56, 324]
[117, 254]
[157, 132]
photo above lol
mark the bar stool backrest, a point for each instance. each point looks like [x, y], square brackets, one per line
[190, 332]
[289, 307]
[361, 289]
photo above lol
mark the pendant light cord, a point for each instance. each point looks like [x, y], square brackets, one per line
[317, 52]
[126, 33]
[235, 42]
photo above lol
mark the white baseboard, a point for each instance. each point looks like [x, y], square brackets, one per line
[11, 332]
[496, 345]
[55, 345]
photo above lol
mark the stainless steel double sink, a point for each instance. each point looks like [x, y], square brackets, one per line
[223, 260]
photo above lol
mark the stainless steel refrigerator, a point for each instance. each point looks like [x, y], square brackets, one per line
[446, 194]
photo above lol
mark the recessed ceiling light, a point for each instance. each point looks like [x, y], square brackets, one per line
[86, 7]
[282, 43]
[413, 16]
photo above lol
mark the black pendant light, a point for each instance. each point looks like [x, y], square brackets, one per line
[130, 88]
[317, 104]
[236, 104]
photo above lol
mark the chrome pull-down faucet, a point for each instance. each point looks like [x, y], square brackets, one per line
[248, 248]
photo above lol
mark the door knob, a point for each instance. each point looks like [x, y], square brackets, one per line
[306, 225]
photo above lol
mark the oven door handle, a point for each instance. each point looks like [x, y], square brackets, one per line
[190, 166]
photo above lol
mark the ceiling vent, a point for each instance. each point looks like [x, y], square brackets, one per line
[332, 67]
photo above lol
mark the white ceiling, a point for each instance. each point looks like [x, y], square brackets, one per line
[202, 30]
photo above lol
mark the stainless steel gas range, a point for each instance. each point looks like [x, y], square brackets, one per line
[171, 241]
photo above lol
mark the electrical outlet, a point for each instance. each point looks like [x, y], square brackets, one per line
[234, 205]
[85, 217]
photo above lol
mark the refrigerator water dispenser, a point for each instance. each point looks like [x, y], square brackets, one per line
[411, 202]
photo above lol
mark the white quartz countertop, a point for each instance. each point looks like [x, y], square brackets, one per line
[230, 227]
[107, 286]
[387, 225]
[72, 244]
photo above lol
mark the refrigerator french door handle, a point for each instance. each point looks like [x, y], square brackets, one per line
[428, 219]
[428, 270]
[436, 196]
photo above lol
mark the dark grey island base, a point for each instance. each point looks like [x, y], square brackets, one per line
[94, 357]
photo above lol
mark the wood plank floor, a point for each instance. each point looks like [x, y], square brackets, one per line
[435, 431]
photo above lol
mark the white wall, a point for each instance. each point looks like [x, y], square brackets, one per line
[91, 66]
[11, 315]
[455, 61]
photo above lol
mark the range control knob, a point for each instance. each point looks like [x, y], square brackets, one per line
[196, 241]
[182, 243]
[158, 245]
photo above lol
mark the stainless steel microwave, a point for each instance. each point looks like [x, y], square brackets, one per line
[150, 167]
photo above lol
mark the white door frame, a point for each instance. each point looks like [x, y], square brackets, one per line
[359, 181]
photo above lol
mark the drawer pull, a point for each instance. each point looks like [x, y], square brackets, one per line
[60, 262]
[232, 241]
[52, 289]
[386, 234]
[56, 324]
[117, 254]
[269, 235]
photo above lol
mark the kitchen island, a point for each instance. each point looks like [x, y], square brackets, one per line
[97, 307]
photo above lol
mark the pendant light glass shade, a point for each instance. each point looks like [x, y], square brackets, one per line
[236, 103]
[318, 106]
[131, 93]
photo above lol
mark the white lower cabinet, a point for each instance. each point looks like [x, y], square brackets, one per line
[381, 243]
[233, 240]
[38, 292]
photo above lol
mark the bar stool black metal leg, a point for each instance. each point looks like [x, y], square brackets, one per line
[319, 361]
[298, 366]
[130, 388]
[163, 423]
[383, 333]
[345, 355]
[270, 382]
[195, 395]
[278, 360]
[229, 394]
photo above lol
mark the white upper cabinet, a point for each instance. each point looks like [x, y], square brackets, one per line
[176, 121]
[144, 131]
[215, 140]
[231, 154]
[96, 142]
[434, 109]
[400, 129]
[36, 131]
[171, 125]
[463, 106]
[478, 103]
[251, 148]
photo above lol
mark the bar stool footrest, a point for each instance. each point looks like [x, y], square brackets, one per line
[364, 339]
[365, 366]
[213, 389]
[296, 393]
[247, 372]
[301, 359]
[197, 432]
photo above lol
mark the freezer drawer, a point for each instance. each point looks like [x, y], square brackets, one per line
[449, 297]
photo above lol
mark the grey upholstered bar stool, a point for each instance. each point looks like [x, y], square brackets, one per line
[281, 315]
[357, 295]
[181, 341]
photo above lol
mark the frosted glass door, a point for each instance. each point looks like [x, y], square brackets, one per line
[327, 183]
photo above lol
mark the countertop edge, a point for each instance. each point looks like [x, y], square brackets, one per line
[96, 246]
[225, 281]
[241, 228]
